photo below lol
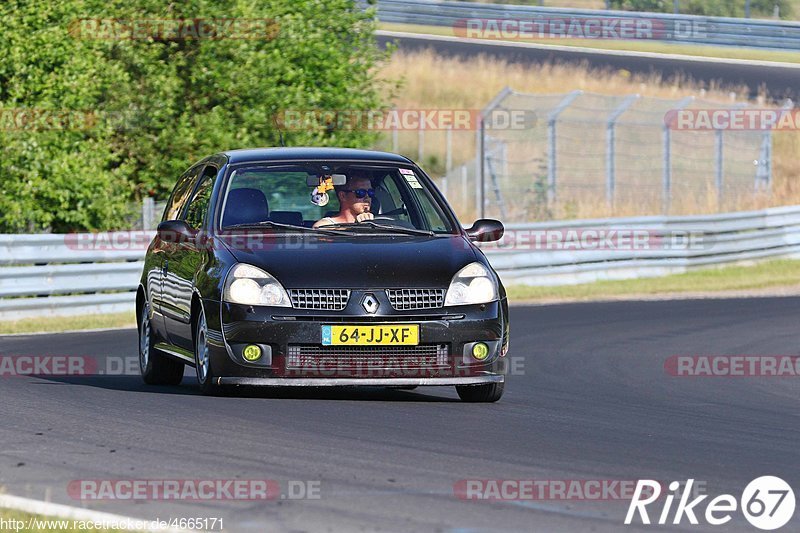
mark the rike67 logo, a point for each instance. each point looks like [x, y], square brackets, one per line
[767, 502]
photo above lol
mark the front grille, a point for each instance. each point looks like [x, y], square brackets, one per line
[324, 299]
[313, 356]
[407, 299]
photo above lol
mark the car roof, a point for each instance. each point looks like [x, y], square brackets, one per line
[311, 153]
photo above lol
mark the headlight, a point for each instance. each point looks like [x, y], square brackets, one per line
[249, 285]
[473, 284]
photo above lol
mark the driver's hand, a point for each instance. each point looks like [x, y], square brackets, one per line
[361, 217]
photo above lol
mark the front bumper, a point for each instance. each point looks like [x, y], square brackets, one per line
[345, 382]
[284, 333]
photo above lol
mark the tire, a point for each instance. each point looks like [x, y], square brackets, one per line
[489, 393]
[156, 367]
[202, 358]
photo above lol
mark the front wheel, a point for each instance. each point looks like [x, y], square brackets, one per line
[202, 358]
[156, 367]
[488, 393]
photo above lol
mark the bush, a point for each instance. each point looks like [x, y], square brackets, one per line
[155, 106]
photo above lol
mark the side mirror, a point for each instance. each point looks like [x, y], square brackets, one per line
[176, 231]
[486, 230]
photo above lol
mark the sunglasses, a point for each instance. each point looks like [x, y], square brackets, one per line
[361, 193]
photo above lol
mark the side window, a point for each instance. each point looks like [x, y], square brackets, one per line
[181, 194]
[391, 198]
[198, 207]
[432, 217]
[432, 213]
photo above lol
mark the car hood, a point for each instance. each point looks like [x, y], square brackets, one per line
[359, 261]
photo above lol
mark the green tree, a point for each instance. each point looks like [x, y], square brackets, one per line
[160, 103]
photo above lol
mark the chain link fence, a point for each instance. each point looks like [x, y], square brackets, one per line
[584, 155]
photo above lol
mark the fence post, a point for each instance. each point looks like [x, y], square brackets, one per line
[464, 192]
[481, 145]
[764, 164]
[482, 175]
[611, 150]
[449, 148]
[478, 163]
[148, 212]
[497, 147]
[719, 169]
[395, 139]
[551, 144]
[666, 176]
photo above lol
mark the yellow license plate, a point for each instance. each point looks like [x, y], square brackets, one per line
[384, 334]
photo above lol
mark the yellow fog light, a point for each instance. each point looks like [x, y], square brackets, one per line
[480, 351]
[252, 353]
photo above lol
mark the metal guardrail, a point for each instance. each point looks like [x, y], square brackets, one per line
[47, 275]
[60, 275]
[718, 240]
[687, 29]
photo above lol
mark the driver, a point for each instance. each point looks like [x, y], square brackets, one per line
[355, 200]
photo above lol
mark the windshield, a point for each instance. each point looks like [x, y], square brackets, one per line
[332, 197]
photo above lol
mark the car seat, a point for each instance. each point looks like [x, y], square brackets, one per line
[245, 206]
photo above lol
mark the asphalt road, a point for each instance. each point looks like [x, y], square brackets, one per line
[590, 400]
[780, 81]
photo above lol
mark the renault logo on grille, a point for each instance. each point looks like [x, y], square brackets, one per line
[370, 304]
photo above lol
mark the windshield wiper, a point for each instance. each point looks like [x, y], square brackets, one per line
[375, 225]
[271, 224]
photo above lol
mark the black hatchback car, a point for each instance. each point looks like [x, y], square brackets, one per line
[320, 267]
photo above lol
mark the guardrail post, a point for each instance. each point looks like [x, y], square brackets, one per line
[552, 161]
[611, 149]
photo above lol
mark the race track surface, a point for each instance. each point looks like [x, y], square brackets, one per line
[589, 400]
[780, 81]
